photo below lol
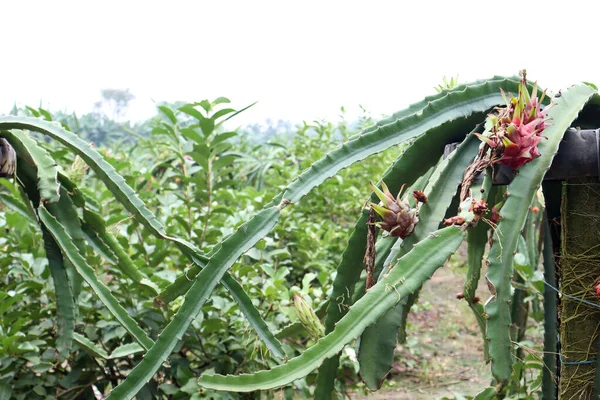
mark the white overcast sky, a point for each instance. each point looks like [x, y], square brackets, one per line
[300, 60]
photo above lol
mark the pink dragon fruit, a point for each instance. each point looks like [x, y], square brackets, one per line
[399, 219]
[516, 130]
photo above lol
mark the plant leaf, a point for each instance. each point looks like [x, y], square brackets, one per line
[17, 205]
[378, 342]
[71, 253]
[520, 195]
[105, 171]
[410, 272]
[126, 350]
[98, 226]
[403, 125]
[65, 304]
[405, 170]
[231, 249]
[30, 152]
[468, 105]
[126, 196]
[477, 239]
[90, 347]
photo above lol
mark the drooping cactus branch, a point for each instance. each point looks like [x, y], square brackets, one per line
[405, 259]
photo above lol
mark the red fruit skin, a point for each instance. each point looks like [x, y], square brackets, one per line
[517, 129]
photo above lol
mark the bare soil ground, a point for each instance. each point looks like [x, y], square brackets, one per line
[444, 353]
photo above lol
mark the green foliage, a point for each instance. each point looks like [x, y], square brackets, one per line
[152, 229]
[376, 355]
[407, 275]
[477, 239]
[521, 192]
[126, 254]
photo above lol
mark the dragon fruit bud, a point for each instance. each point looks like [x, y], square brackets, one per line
[398, 218]
[308, 318]
[78, 169]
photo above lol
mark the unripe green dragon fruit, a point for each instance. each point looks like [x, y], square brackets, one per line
[399, 219]
[308, 318]
[515, 132]
[8, 159]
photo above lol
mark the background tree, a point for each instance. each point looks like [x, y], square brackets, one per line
[114, 103]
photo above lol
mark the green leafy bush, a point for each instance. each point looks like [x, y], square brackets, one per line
[170, 173]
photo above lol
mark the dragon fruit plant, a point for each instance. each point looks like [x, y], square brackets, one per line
[520, 131]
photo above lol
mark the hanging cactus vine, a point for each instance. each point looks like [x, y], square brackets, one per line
[499, 122]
